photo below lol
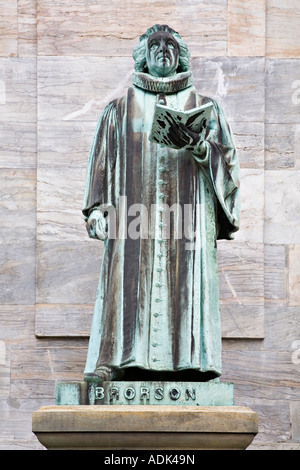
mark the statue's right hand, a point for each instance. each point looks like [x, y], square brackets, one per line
[96, 225]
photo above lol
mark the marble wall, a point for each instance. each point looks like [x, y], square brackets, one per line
[60, 63]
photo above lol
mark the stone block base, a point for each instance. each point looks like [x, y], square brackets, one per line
[143, 427]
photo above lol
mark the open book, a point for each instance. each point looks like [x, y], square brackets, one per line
[164, 117]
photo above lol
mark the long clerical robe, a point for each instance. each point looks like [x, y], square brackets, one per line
[157, 304]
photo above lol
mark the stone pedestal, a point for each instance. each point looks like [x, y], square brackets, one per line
[143, 427]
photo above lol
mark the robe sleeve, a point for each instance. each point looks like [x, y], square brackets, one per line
[221, 164]
[101, 162]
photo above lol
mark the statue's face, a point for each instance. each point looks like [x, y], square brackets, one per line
[162, 54]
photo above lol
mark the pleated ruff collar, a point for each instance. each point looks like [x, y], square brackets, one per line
[166, 85]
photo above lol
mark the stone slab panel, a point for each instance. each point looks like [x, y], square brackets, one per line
[27, 28]
[249, 140]
[67, 273]
[282, 206]
[60, 192]
[274, 422]
[242, 321]
[74, 29]
[8, 28]
[64, 320]
[252, 206]
[270, 374]
[282, 145]
[18, 90]
[237, 83]
[282, 325]
[295, 420]
[275, 279]
[26, 388]
[18, 205]
[17, 324]
[17, 273]
[26, 365]
[282, 130]
[65, 144]
[282, 29]
[294, 276]
[46, 364]
[282, 91]
[241, 273]
[246, 27]
[18, 28]
[78, 88]
[4, 371]
[18, 144]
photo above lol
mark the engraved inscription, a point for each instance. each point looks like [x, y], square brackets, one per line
[142, 394]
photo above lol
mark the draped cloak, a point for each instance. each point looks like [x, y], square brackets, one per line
[157, 303]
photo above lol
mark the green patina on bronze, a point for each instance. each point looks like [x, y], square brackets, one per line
[157, 314]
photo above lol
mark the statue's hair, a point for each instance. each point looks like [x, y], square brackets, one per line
[139, 52]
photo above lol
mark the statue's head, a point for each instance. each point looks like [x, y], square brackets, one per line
[161, 52]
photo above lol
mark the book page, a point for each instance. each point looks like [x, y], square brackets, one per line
[165, 117]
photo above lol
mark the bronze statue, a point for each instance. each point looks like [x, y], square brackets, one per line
[160, 207]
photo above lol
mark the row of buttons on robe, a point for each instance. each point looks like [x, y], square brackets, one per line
[162, 168]
[159, 285]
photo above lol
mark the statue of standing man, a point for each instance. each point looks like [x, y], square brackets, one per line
[157, 312]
